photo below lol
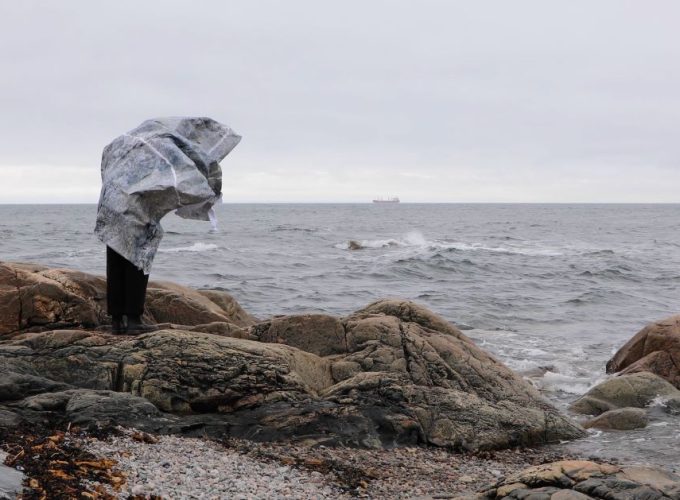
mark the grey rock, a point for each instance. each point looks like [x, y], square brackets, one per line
[621, 419]
[90, 409]
[11, 480]
[569, 495]
[617, 488]
[19, 385]
[8, 418]
[544, 493]
[579, 479]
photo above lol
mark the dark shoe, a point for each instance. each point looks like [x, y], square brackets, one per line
[136, 327]
[117, 325]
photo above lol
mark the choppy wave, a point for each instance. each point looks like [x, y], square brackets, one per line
[413, 239]
[611, 273]
[196, 247]
[416, 240]
[510, 250]
[291, 227]
[600, 296]
[598, 253]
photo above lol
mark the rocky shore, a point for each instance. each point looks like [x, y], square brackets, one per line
[389, 401]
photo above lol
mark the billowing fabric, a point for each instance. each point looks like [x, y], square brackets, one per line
[164, 164]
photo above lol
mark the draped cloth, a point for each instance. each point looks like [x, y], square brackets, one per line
[165, 164]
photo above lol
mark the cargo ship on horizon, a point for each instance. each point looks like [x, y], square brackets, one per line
[394, 199]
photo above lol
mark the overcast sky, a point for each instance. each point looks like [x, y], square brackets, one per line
[442, 101]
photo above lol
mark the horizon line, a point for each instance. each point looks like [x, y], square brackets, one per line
[392, 204]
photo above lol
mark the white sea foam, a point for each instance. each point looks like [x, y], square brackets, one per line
[511, 250]
[371, 244]
[561, 382]
[658, 401]
[196, 247]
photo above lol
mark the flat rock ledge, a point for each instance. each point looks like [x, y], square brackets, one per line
[574, 480]
[392, 373]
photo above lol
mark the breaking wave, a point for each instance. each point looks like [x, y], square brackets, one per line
[196, 247]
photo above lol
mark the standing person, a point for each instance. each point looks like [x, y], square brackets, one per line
[164, 164]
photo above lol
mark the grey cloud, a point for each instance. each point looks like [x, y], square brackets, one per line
[442, 89]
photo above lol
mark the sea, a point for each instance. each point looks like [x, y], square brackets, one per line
[553, 290]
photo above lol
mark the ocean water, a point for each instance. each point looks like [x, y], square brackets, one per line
[552, 290]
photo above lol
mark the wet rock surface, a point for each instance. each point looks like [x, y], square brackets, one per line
[621, 419]
[392, 373]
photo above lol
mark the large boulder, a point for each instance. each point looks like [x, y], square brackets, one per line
[634, 390]
[36, 298]
[655, 349]
[392, 373]
[575, 479]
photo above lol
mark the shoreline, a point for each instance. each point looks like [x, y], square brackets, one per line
[390, 398]
[123, 463]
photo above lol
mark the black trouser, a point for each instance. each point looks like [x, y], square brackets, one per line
[125, 286]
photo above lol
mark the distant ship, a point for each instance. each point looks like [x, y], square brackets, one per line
[387, 200]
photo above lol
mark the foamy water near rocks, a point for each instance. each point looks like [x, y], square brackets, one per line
[648, 376]
[635, 390]
[391, 373]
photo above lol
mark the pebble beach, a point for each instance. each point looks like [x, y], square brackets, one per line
[176, 467]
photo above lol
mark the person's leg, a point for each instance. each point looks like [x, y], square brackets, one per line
[115, 288]
[135, 290]
[135, 295]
